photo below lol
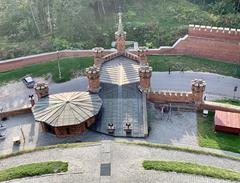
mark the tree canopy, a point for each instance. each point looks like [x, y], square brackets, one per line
[35, 26]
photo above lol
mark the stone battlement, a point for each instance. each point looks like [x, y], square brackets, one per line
[214, 32]
[171, 96]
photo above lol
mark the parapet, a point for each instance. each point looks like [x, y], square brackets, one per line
[214, 32]
[171, 96]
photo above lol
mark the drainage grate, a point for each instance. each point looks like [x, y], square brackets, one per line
[105, 169]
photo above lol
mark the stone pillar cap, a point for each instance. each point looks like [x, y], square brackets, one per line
[145, 68]
[98, 49]
[142, 48]
[92, 70]
[198, 83]
[40, 86]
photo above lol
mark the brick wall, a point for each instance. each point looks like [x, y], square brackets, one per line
[171, 97]
[34, 59]
[205, 41]
[214, 32]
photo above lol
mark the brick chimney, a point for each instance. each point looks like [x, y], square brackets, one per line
[145, 73]
[93, 74]
[142, 53]
[98, 55]
[198, 89]
[41, 90]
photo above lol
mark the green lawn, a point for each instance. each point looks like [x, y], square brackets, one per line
[207, 137]
[192, 168]
[190, 63]
[70, 67]
[33, 169]
[229, 101]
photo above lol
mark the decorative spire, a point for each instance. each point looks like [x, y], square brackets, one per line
[120, 31]
[120, 26]
[120, 35]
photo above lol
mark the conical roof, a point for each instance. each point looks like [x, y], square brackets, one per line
[65, 109]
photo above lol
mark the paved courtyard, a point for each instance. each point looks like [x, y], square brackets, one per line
[180, 129]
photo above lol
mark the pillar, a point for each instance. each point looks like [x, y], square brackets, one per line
[198, 89]
[145, 73]
[142, 53]
[93, 75]
[98, 55]
[41, 90]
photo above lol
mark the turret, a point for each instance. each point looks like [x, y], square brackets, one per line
[98, 55]
[93, 74]
[142, 53]
[145, 73]
[41, 90]
[120, 35]
[198, 89]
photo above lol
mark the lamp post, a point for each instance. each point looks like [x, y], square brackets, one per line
[235, 90]
[59, 67]
[1, 124]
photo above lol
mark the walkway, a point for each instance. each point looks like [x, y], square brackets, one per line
[126, 164]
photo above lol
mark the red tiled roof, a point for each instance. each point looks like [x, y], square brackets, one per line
[227, 119]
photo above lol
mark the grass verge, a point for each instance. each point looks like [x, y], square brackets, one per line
[192, 168]
[33, 169]
[70, 68]
[229, 101]
[183, 149]
[190, 63]
[207, 137]
[44, 148]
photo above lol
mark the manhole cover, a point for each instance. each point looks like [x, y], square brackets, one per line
[105, 169]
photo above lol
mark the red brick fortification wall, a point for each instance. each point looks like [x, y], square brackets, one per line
[34, 59]
[204, 41]
[171, 97]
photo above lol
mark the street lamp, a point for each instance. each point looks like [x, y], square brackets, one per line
[235, 90]
[59, 67]
[1, 123]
